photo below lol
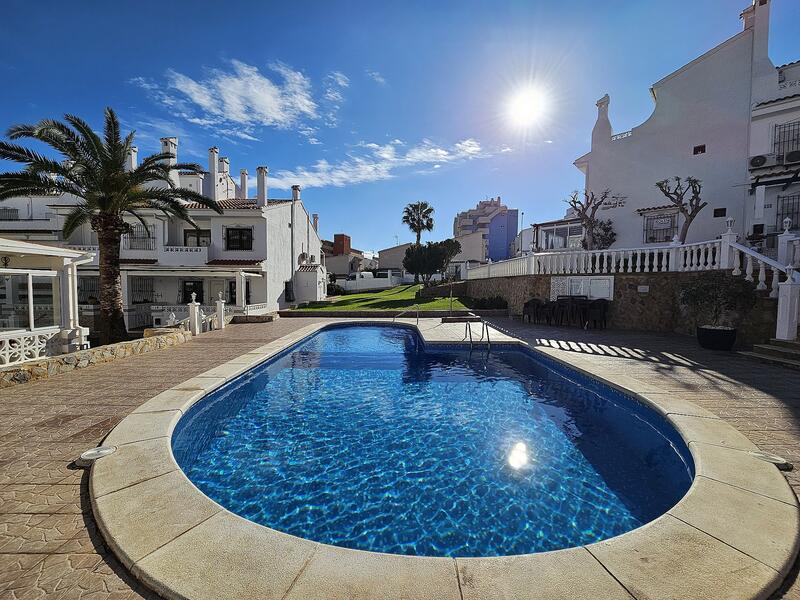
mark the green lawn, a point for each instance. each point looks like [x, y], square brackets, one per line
[396, 298]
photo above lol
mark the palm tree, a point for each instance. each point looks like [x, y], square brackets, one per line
[94, 172]
[419, 217]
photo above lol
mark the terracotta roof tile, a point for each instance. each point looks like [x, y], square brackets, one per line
[774, 100]
[662, 207]
[237, 204]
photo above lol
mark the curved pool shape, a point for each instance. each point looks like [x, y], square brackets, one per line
[359, 437]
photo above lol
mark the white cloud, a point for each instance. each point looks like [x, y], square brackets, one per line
[334, 85]
[378, 163]
[240, 98]
[376, 76]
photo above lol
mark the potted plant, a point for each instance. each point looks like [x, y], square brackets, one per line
[717, 301]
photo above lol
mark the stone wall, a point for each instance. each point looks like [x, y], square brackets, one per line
[54, 365]
[642, 301]
[443, 291]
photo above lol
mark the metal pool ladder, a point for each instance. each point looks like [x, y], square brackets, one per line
[413, 308]
[484, 331]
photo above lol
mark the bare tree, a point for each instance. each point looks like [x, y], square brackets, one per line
[677, 195]
[586, 208]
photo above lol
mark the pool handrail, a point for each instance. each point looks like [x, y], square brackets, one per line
[413, 308]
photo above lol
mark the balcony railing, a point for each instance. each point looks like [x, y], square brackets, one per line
[138, 243]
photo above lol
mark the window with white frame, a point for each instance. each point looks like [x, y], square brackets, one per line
[36, 298]
[557, 237]
[196, 237]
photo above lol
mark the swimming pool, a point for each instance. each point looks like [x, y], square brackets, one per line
[359, 437]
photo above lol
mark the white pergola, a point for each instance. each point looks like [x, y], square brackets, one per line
[34, 324]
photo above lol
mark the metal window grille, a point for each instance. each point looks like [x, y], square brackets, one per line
[788, 206]
[660, 228]
[787, 137]
[9, 214]
[140, 238]
[88, 289]
[141, 290]
[238, 239]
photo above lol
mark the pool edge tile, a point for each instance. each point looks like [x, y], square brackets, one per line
[139, 519]
[668, 558]
[334, 572]
[226, 557]
[769, 534]
[557, 575]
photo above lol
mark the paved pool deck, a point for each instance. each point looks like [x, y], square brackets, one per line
[49, 545]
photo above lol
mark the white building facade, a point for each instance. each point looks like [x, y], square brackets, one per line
[710, 118]
[250, 255]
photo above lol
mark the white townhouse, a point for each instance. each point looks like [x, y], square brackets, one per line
[730, 118]
[260, 255]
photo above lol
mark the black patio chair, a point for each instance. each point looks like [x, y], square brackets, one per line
[597, 312]
[531, 310]
[563, 310]
[547, 312]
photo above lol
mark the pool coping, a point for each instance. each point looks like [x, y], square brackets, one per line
[733, 535]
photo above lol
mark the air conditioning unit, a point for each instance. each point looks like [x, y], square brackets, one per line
[765, 160]
[792, 157]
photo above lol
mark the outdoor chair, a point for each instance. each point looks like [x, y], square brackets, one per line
[531, 310]
[563, 310]
[597, 312]
[547, 312]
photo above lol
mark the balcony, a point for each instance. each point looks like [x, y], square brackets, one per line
[185, 256]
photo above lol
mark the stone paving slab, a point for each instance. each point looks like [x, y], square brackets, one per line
[717, 382]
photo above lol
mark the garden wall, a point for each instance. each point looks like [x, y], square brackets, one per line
[642, 301]
[63, 363]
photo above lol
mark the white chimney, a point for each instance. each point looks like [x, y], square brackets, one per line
[224, 165]
[213, 173]
[295, 193]
[133, 158]
[261, 181]
[169, 145]
[243, 184]
[315, 219]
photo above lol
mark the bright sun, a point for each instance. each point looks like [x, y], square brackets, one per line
[527, 107]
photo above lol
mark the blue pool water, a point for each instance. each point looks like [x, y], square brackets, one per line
[360, 438]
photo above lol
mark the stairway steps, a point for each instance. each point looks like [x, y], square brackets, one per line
[774, 360]
[779, 350]
[785, 343]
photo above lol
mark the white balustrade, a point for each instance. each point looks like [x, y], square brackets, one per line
[21, 346]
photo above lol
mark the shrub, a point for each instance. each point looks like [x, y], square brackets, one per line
[716, 298]
[493, 302]
[335, 290]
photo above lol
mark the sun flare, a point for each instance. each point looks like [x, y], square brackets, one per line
[527, 107]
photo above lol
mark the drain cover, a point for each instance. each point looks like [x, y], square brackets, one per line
[778, 461]
[88, 457]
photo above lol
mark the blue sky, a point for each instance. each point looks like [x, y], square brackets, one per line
[368, 105]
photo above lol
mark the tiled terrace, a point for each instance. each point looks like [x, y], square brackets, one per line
[50, 549]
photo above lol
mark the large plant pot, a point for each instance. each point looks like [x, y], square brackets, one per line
[716, 338]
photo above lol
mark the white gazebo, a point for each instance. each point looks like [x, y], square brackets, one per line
[38, 301]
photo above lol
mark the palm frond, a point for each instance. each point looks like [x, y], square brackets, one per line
[111, 129]
[25, 183]
[92, 140]
[144, 223]
[79, 215]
